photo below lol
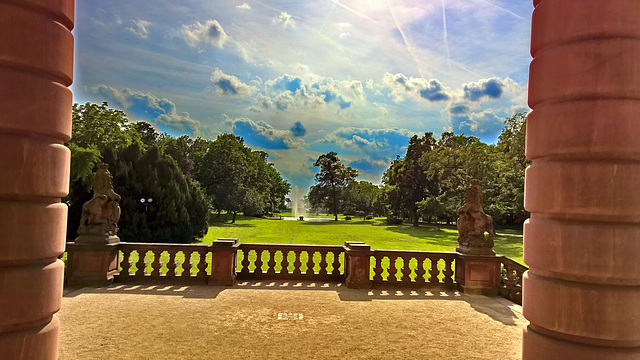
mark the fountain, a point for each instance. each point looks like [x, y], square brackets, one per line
[296, 202]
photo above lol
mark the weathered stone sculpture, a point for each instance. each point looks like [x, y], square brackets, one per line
[100, 215]
[473, 223]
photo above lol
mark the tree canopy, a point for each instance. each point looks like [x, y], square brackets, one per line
[185, 177]
[332, 180]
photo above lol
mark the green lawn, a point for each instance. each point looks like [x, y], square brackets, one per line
[375, 233]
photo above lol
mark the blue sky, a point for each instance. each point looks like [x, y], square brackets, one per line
[301, 78]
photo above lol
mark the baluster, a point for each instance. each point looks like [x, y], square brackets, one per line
[434, 272]
[297, 263]
[310, 263]
[201, 266]
[405, 271]
[285, 262]
[186, 265]
[126, 264]
[258, 269]
[448, 272]
[323, 262]
[420, 271]
[336, 263]
[245, 262]
[377, 269]
[171, 265]
[392, 269]
[156, 265]
[271, 270]
[141, 264]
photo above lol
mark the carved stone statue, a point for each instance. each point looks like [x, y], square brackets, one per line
[473, 223]
[100, 215]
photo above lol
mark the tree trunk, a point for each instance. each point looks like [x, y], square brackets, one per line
[234, 217]
[415, 220]
[218, 216]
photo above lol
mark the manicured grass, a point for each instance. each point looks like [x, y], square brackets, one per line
[375, 233]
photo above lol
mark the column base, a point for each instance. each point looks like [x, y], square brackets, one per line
[40, 342]
[537, 346]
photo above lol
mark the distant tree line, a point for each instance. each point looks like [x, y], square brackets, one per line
[186, 178]
[429, 182]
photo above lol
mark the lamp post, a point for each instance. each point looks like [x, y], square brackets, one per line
[146, 202]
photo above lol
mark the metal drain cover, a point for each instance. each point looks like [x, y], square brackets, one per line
[290, 316]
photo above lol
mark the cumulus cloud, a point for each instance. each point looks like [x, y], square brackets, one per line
[140, 28]
[485, 124]
[402, 87]
[261, 134]
[210, 33]
[149, 107]
[378, 144]
[308, 90]
[485, 88]
[243, 7]
[285, 19]
[230, 85]
[298, 129]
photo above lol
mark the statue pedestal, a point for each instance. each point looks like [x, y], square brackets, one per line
[91, 264]
[466, 248]
[478, 274]
[97, 239]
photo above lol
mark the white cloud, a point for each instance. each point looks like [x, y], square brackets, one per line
[210, 33]
[284, 19]
[402, 87]
[243, 7]
[230, 85]
[140, 28]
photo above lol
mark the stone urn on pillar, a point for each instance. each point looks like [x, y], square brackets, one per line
[477, 269]
[93, 257]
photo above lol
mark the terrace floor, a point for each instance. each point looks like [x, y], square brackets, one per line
[285, 320]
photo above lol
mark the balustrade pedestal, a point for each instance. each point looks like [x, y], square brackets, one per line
[223, 262]
[91, 265]
[358, 263]
[478, 274]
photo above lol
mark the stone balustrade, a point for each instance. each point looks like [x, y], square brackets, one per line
[356, 264]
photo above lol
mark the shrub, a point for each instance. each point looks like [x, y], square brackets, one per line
[347, 217]
[369, 217]
[393, 221]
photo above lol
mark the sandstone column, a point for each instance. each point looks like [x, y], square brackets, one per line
[582, 243]
[36, 67]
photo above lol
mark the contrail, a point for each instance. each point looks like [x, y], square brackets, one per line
[274, 9]
[327, 18]
[337, 2]
[406, 42]
[505, 10]
[444, 34]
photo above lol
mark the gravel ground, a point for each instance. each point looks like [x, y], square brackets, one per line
[285, 320]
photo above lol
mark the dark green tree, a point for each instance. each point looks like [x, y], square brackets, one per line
[331, 183]
[407, 179]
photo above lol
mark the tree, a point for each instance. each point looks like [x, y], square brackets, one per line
[102, 127]
[408, 183]
[361, 197]
[331, 183]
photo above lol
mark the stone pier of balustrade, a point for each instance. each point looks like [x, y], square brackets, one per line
[91, 264]
[478, 274]
[223, 262]
[358, 264]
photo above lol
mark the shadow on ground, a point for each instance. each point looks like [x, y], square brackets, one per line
[497, 308]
